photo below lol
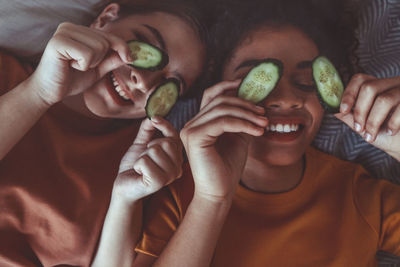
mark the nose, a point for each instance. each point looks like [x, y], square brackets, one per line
[144, 80]
[284, 96]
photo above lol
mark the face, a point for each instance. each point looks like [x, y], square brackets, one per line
[292, 108]
[108, 98]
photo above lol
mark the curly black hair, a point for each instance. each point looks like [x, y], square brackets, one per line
[331, 24]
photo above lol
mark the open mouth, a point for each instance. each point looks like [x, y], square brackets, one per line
[118, 93]
[118, 88]
[284, 132]
[284, 128]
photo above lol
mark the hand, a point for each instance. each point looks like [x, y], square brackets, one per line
[74, 59]
[371, 107]
[216, 140]
[149, 164]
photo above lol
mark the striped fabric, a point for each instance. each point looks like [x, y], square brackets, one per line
[379, 54]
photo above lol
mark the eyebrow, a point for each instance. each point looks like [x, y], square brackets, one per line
[250, 62]
[157, 34]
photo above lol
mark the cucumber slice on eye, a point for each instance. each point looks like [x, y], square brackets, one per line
[147, 57]
[260, 81]
[163, 99]
[329, 84]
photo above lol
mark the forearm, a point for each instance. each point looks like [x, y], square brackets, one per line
[20, 109]
[194, 242]
[121, 231]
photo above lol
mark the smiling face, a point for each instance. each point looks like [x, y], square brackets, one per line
[123, 92]
[292, 108]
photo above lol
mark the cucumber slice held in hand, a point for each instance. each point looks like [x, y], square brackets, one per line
[147, 57]
[329, 85]
[260, 81]
[163, 99]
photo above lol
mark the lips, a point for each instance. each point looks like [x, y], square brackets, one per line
[118, 93]
[284, 129]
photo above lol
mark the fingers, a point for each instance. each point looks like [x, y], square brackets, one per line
[351, 92]
[372, 102]
[232, 101]
[379, 113]
[393, 124]
[227, 110]
[164, 127]
[217, 90]
[145, 133]
[206, 134]
[93, 46]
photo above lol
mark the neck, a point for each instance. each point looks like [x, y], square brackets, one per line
[261, 177]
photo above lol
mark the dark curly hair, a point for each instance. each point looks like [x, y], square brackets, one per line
[331, 24]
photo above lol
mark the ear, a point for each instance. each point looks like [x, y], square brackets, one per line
[109, 14]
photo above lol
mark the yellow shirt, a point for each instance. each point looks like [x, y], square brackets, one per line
[336, 216]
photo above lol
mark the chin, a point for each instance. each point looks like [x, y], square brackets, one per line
[277, 155]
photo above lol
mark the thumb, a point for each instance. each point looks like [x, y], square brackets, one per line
[145, 133]
[111, 62]
[348, 119]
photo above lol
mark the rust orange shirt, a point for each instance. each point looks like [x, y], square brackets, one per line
[55, 184]
[336, 216]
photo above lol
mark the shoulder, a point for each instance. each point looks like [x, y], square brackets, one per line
[323, 163]
[12, 71]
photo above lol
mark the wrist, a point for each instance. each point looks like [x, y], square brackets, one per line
[120, 200]
[207, 200]
[37, 95]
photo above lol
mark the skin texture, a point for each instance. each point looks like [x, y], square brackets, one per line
[229, 140]
[371, 107]
[139, 84]
[287, 103]
[149, 164]
[75, 70]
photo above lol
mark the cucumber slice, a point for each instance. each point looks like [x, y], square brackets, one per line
[260, 81]
[148, 57]
[329, 84]
[163, 99]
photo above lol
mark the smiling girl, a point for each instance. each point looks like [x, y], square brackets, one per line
[62, 137]
[256, 193]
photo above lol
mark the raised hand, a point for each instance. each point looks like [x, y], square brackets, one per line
[371, 107]
[74, 59]
[150, 163]
[216, 140]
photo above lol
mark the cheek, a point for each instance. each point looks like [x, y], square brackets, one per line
[317, 112]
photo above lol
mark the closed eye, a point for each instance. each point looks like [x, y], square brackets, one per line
[305, 87]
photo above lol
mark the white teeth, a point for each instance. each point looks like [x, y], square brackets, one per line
[287, 128]
[283, 128]
[118, 88]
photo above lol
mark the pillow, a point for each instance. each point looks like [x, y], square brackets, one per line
[27, 25]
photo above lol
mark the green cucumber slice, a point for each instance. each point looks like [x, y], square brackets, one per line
[260, 81]
[163, 99]
[145, 56]
[330, 87]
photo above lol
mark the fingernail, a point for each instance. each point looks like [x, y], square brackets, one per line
[368, 137]
[389, 132]
[129, 58]
[357, 127]
[344, 108]
[155, 119]
[260, 108]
